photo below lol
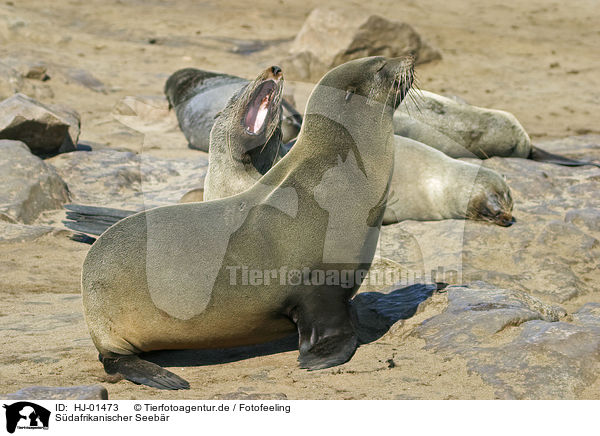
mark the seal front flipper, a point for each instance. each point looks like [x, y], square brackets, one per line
[142, 372]
[327, 336]
[539, 155]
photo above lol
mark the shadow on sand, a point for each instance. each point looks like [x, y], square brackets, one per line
[376, 312]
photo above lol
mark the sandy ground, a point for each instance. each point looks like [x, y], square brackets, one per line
[536, 58]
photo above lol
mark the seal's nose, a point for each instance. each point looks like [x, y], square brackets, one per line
[276, 71]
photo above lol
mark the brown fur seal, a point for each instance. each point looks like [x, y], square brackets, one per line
[462, 130]
[245, 140]
[428, 185]
[197, 97]
[169, 277]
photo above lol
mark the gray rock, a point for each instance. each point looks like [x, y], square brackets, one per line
[11, 232]
[303, 66]
[588, 315]
[515, 342]
[335, 36]
[585, 219]
[126, 180]
[29, 185]
[45, 129]
[92, 392]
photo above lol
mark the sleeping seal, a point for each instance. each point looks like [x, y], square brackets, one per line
[462, 130]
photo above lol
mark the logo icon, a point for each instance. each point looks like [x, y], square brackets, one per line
[26, 415]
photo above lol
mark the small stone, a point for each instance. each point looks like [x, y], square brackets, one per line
[37, 72]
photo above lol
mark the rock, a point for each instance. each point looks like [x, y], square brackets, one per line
[335, 36]
[472, 127]
[36, 72]
[125, 180]
[588, 315]
[29, 185]
[12, 232]
[152, 117]
[585, 219]
[515, 342]
[92, 392]
[303, 66]
[45, 129]
[479, 311]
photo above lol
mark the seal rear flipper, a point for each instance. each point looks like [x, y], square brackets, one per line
[143, 372]
[539, 155]
[327, 336]
[92, 219]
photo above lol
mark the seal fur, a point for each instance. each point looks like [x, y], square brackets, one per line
[160, 279]
[199, 95]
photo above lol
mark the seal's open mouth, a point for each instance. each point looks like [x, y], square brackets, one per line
[258, 109]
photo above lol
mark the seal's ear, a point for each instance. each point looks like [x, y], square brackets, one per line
[349, 93]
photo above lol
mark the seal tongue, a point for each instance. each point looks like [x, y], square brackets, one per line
[262, 114]
[259, 107]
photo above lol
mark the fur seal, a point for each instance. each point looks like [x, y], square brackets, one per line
[168, 278]
[428, 185]
[197, 97]
[245, 140]
[462, 130]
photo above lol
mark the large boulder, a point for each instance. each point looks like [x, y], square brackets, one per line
[29, 185]
[127, 180]
[45, 129]
[522, 347]
[330, 37]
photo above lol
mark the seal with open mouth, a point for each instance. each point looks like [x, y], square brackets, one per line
[245, 141]
[197, 97]
[173, 277]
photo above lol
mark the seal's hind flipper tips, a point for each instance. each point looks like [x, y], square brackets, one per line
[143, 372]
[327, 336]
[539, 155]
